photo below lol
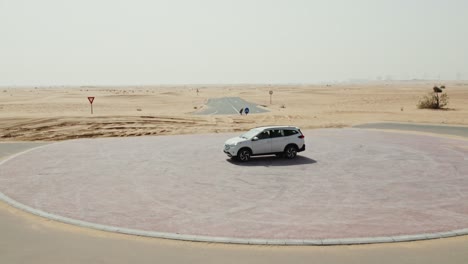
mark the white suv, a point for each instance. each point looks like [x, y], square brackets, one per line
[280, 140]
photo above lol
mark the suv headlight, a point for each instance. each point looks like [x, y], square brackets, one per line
[229, 146]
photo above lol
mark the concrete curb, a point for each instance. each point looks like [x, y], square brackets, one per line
[230, 240]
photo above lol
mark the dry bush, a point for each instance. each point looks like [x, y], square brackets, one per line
[433, 101]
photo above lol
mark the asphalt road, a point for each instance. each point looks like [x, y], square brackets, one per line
[29, 239]
[7, 149]
[229, 106]
[435, 129]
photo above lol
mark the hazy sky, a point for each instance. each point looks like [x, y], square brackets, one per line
[64, 42]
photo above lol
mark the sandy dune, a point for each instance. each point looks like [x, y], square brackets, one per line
[59, 113]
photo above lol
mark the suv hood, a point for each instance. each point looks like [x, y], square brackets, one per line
[235, 140]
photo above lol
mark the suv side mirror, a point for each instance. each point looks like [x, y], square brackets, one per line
[254, 138]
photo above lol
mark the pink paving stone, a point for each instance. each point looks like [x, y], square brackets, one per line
[348, 183]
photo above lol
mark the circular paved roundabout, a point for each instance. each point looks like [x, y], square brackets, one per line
[349, 186]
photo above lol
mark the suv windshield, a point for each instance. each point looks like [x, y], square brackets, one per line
[252, 133]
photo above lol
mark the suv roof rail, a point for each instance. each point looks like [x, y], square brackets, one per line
[283, 126]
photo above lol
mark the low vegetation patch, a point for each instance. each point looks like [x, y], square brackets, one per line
[436, 99]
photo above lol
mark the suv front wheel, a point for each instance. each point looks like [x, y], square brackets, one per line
[290, 152]
[244, 155]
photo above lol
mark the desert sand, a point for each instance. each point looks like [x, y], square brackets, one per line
[60, 113]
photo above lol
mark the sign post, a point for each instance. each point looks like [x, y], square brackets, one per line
[91, 100]
[271, 93]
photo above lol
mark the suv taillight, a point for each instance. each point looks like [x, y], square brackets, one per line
[302, 135]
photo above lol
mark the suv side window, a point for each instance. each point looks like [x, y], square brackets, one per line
[288, 133]
[264, 134]
[276, 133]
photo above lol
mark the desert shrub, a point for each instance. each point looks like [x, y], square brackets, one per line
[433, 101]
[443, 100]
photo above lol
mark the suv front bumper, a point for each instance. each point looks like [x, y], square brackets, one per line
[230, 153]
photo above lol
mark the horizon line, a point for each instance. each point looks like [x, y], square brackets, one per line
[355, 81]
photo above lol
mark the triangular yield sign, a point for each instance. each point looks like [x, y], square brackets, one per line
[91, 99]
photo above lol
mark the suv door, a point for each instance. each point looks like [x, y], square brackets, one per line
[292, 136]
[263, 144]
[278, 141]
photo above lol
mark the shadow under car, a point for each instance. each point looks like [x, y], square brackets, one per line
[268, 161]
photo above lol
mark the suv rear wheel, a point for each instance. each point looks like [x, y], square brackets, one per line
[244, 155]
[290, 152]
